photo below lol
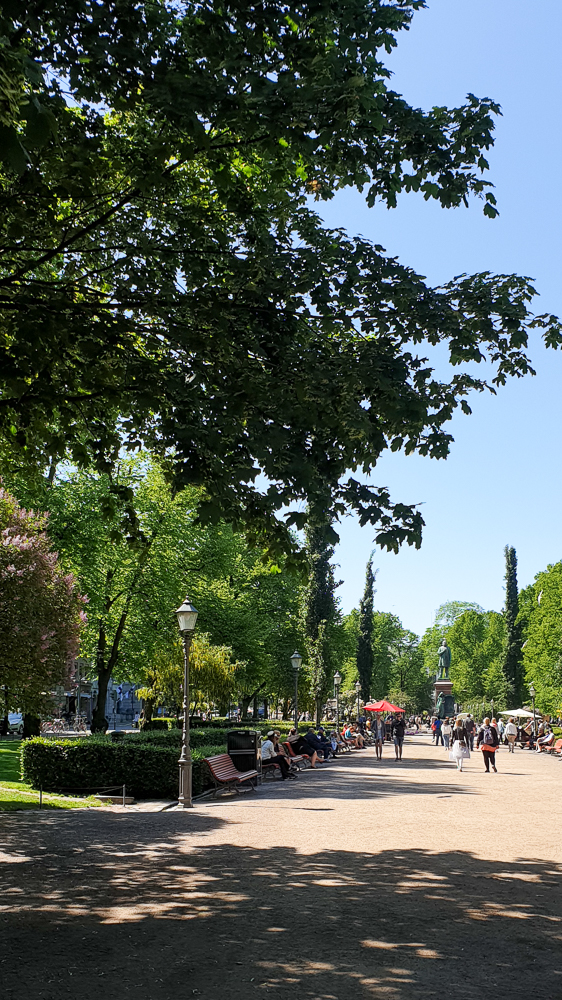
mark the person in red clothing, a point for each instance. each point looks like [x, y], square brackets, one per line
[488, 741]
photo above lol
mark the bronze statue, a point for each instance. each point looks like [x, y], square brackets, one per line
[444, 661]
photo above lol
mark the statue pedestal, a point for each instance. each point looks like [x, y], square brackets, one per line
[445, 687]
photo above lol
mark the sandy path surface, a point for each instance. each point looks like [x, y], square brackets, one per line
[361, 880]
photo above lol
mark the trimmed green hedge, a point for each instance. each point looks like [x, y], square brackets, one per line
[148, 770]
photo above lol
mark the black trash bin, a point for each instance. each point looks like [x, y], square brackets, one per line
[244, 748]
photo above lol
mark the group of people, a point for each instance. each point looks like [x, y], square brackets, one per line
[320, 746]
[458, 736]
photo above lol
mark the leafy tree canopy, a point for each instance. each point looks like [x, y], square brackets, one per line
[541, 622]
[165, 281]
[41, 610]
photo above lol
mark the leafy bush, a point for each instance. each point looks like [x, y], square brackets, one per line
[172, 738]
[160, 723]
[147, 769]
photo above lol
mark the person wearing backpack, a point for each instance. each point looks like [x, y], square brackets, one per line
[488, 741]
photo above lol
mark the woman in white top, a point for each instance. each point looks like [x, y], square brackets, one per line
[446, 730]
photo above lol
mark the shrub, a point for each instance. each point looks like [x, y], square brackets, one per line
[172, 738]
[159, 723]
[147, 769]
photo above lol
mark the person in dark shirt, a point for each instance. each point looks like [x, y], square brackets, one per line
[322, 747]
[397, 731]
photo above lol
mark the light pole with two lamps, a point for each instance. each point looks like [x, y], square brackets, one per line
[532, 692]
[337, 682]
[358, 688]
[296, 660]
[187, 618]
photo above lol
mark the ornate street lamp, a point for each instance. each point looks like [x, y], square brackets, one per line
[532, 692]
[492, 706]
[337, 682]
[296, 660]
[358, 688]
[187, 618]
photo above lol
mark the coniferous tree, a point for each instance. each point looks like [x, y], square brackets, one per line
[364, 640]
[513, 655]
[320, 610]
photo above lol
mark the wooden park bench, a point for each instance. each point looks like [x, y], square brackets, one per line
[300, 759]
[224, 774]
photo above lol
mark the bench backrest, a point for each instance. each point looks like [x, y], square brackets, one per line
[222, 767]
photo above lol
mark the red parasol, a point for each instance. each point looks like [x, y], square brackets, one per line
[382, 706]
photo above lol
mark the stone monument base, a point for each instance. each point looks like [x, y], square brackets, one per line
[445, 687]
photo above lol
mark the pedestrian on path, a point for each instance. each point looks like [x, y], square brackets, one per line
[437, 731]
[397, 732]
[460, 749]
[378, 731]
[447, 731]
[488, 741]
[511, 735]
[470, 727]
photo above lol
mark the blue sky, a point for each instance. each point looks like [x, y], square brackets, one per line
[502, 483]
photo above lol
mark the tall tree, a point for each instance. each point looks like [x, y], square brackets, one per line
[320, 605]
[165, 280]
[477, 640]
[365, 638]
[513, 654]
[541, 624]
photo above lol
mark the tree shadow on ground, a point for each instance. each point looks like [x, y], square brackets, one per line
[118, 904]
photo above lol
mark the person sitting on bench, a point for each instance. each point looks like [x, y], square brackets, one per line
[270, 755]
[546, 741]
[314, 741]
[300, 745]
[352, 733]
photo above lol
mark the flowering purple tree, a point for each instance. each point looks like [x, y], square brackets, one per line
[41, 611]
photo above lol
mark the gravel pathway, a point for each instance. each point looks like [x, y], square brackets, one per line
[363, 880]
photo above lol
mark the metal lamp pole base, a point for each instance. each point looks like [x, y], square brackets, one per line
[185, 766]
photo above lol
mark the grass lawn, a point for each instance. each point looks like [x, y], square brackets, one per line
[16, 794]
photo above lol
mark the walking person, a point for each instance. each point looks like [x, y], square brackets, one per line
[397, 732]
[378, 732]
[460, 749]
[511, 735]
[470, 727]
[438, 732]
[447, 732]
[488, 741]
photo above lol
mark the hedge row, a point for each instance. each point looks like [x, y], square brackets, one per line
[197, 737]
[146, 769]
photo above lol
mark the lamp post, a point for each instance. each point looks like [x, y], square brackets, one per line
[358, 688]
[337, 682]
[492, 706]
[187, 618]
[532, 692]
[296, 660]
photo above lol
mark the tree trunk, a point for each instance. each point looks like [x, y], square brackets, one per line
[147, 710]
[318, 710]
[265, 709]
[99, 721]
[31, 725]
[247, 699]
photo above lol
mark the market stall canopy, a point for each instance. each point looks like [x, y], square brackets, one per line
[382, 706]
[521, 713]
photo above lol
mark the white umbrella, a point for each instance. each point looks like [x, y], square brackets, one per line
[521, 713]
